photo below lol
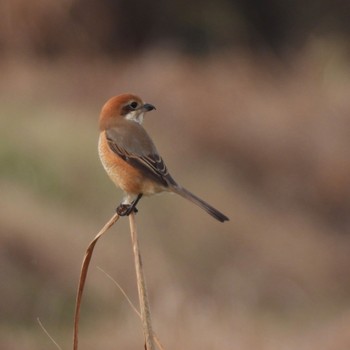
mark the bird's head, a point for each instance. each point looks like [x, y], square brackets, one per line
[126, 106]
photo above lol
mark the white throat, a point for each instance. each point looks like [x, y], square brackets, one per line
[135, 116]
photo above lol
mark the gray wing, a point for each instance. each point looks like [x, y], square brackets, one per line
[140, 152]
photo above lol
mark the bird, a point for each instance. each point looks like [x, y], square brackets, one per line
[131, 159]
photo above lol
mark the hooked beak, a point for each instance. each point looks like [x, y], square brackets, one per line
[148, 107]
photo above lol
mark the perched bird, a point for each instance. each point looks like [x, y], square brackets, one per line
[131, 159]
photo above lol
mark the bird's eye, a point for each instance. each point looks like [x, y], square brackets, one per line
[133, 105]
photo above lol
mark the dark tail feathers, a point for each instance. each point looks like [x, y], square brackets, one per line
[201, 203]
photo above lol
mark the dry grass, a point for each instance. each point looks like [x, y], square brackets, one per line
[265, 142]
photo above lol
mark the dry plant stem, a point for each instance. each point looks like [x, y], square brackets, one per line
[141, 285]
[83, 274]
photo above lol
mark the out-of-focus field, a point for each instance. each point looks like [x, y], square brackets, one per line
[266, 142]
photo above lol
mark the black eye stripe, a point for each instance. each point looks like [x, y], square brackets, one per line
[131, 106]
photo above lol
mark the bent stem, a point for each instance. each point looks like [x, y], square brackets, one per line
[83, 274]
[141, 286]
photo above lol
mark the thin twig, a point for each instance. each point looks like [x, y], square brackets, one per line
[141, 286]
[122, 291]
[155, 337]
[48, 334]
[83, 274]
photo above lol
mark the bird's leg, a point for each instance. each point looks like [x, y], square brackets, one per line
[132, 205]
[127, 209]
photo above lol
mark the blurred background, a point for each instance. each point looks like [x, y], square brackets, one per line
[256, 95]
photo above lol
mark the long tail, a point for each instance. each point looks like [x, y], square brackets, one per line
[201, 203]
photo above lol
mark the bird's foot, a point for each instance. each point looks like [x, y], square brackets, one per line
[126, 209]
